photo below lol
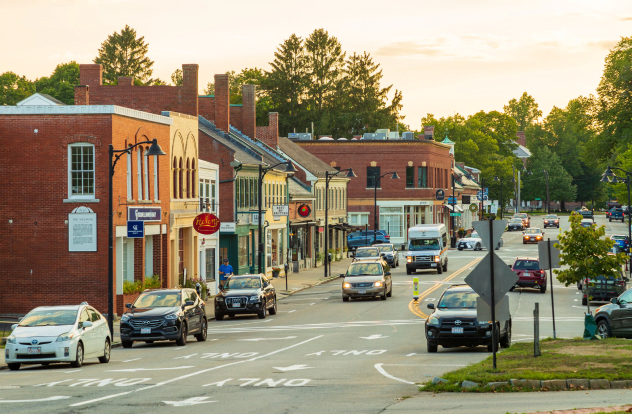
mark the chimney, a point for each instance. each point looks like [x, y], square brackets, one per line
[91, 75]
[522, 138]
[222, 102]
[248, 110]
[82, 95]
[125, 81]
[429, 132]
[190, 89]
[270, 134]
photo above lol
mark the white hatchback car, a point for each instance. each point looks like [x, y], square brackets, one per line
[50, 334]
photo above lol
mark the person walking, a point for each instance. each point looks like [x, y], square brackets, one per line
[225, 271]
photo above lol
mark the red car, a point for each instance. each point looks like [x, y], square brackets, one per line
[529, 274]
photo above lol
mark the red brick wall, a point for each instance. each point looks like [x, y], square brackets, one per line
[270, 134]
[215, 152]
[37, 268]
[222, 102]
[206, 107]
[249, 110]
[154, 99]
[82, 96]
[236, 117]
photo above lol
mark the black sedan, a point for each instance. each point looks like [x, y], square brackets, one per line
[164, 314]
[246, 294]
[515, 224]
[613, 319]
[454, 322]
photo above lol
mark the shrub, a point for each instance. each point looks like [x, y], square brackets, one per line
[138, 286]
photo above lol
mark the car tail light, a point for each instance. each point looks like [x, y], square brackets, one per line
[620, 282]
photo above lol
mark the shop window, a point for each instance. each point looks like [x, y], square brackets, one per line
[181, 251]
[223, 254]
[175, 178]
[410, 177]
[422, 177]
[130, 192]
[391, 220]
[81, 170]
[371, 176]
[243, 251]
[156, 196]
[210, 265]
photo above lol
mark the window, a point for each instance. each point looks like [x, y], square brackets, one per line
[223, 254]
[213, 197]
[192, 178]
[210, 265]
[243, 250]
[180, 191]
[391, 220]
[371, 176]
[146, 171]
[188, 178]
[156, 177]
[410, 177]
[81, 170]
[181, 251]
[175, 178]
[130, 194]
[358, 219]
[248, 190]
[422, 177]
[139, 172]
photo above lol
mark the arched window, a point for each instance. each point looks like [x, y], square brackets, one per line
[188, 178]
[175, 177]
[193, 178]
[180, 192]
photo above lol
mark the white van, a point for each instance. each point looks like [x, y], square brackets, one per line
[427, 248]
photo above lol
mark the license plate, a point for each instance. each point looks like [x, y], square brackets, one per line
[532, 239]
[434, 265]
[235, 304]
[526, 273]
[456, 330]
[145, 331]
[35, 350]
[362, 292]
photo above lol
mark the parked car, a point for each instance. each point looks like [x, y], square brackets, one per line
[515, 224]
[367, 278]
[164, 315]
[603, 288]
[526, 219]
[587, 223]
[551, 220]
[474, 242]
[616, 214]
[534, 235]
[623, 242]
[453, 322]
[50, 334]
[613, 319]
[246, 294]
[389, 253]
[365, 238]
[529, 274]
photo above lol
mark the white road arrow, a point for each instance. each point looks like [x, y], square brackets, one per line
[379, 336]
[190, 401]
[292, 368]
[266, 339]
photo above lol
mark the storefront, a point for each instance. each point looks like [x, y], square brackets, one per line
[208, 245]
[396, 217]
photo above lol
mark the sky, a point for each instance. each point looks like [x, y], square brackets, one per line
[446, 56]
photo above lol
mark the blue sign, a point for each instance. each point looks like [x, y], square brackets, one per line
[135, 229]
[144, 213]
[440, 195]
[451, 200]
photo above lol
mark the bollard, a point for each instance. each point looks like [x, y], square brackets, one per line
[536, 331]
[416, 288]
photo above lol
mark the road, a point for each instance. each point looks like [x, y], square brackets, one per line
[317, 353]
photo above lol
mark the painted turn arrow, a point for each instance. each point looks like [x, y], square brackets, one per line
[190, 401]
[379, 336]
[292, 368]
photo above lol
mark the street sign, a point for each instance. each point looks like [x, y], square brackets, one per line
[440, 194]
[473, 208]
[494, 209]
[415, 288]
[455, 214]
[280, 210]
[482, 228]
[144, 213]
[538, 199]
[543, 253]
[452, 200]
[135, 229]
[479, 279]
[484, 311]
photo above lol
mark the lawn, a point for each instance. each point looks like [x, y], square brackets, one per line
[609, 359]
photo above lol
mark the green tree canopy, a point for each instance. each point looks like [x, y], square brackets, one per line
[14, 88]
[176, 77]
[61, 83]
[560, 181]
[524, 110]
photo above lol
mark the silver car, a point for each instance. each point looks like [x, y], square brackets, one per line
[367, 278]
[366, 253]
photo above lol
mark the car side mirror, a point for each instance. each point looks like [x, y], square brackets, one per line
[387, 274]
[15, 325]
[128, 305]
[431, 306]
[86, 324]
[509, 265]
[342, 275]
[189, 303]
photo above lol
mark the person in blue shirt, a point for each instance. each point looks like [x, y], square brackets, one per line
[225, 271]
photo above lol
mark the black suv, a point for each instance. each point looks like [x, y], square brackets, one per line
[453, 323]
[613, 319]
[246, 294]
[164, 314]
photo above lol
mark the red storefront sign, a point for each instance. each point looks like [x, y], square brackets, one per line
[206, 223]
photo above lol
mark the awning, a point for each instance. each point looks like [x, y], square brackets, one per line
[449, 207]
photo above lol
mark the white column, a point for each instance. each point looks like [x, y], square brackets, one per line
[146, 176]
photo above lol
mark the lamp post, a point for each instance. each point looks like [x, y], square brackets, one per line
[605, 178]
[377, 181]
[501, 180]
[548, 203]
[153, 150]
[290, 169]
[328, 177]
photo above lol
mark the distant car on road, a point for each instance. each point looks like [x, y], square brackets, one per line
[246, 294]
[623, 242]
[616, 214]
[515, 224]
[551, 220]
[529, 274]
[50, 334]
[367, 278]
[365, 238]
[587, 223]
[367, 253]
[453, 322]
[533, 235]
[603, 288]
[389, 253]
[613, 318]
[526, 219]
[474, 242]
[587, 214]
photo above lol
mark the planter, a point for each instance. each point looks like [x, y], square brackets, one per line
[275, 274]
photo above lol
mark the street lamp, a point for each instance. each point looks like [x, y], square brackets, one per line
[328, 177]
[605, 178]
[153, 150]
[512, 180]
[377, 181]
[290, 169]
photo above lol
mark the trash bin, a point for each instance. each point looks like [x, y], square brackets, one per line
[453, 242]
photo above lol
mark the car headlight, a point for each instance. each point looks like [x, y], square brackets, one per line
[484, 323]
[171, 316]
[125, 317]
[378, 284]
[219, 298]
[437, 258]
[409, 259]
[526, 237]
[346, 285]
[11, 339]
[65, 337]
[254, 299]
[433, 321]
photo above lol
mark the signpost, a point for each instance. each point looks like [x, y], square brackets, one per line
[549, 256]
[452, 200]
[491, 278]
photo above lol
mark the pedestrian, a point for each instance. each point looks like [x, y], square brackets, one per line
[225, 271]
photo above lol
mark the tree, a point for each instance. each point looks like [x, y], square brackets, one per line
[500, 127]
[14, 88]
[585, 251]
[560, 181]
[61, 83]
[176, 77]
[123, 54]
[525, 111]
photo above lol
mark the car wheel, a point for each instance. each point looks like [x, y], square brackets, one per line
[219, 316]
[459, 248]
[511, 289]
[273, 309]
[231, 315]
[127, 344]
[201, 337]
[603, 329]
[505, 341]
[408, 272]
[78, 362]
[345, 299]
[149, 342]
[584, 302]
[610, 220]
[262, 313]
[524, 242]
[432, 347]
[390, 292]
[478, 247]
[383, 296]
[490, 347]
[543, 289]
[106, 352]
[182, 341]
[439, 269]
[445, 266]
[14, 366]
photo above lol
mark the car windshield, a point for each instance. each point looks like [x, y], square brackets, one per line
[527, 265]
[473, 235]
[618, 237]
[50, 317]
[532, 231]
[253, 282]
[158, 300]
[521, 215]
[550, 217]
[365, 269]
[373, 252]
[516, 220]
[458, 299]
[424, 244]
[385, 248]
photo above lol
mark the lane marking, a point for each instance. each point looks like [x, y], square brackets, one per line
[266, 339]
[130, 360]
[292, 368]
[387, 375]
[148, 369]
[326, 325]
[107, 397]
[55, 398]
[190, 401]
[377, 336]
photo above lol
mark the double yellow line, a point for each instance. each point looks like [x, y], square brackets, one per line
[414, 306]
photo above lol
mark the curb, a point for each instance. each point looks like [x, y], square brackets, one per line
[545, 385]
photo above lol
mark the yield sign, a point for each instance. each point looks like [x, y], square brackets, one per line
[480, 279]
[482, 228]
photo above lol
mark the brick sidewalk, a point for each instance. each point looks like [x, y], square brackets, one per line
[627, 408]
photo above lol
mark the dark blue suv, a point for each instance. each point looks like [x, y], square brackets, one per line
[365, 238]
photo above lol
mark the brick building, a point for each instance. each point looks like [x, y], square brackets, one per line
[55, 221]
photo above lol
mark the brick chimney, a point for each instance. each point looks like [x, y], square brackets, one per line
[222, 102]
[82, 95]
[270, 134]
[249, 111]
[522, 138]
[125, 81]
[90, 74]
[429, 132]
[190, 88]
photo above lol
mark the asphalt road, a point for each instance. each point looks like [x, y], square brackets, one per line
[317, 354]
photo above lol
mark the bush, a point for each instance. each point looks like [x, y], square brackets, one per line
[190, 283]
[138, 286]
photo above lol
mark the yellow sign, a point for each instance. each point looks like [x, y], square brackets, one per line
[416, 288]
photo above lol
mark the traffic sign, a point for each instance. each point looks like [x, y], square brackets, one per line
[415, 288]
[455, 214]
[440, 194]
[135, 229]
[483, 230]
[452, 200]
[480, 280]
[484, 311]
[543, 254]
